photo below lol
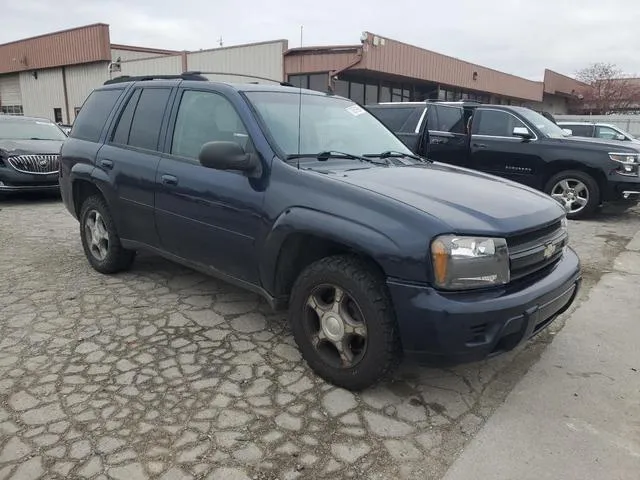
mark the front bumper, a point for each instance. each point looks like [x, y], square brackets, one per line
[626, 189]
[451, 328]
[13, 181]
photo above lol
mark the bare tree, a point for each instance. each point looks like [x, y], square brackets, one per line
[610, 90]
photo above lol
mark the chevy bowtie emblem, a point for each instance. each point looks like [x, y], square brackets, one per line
[549, 250]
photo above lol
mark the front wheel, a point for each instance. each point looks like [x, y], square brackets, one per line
[576, 191]
[343, 322]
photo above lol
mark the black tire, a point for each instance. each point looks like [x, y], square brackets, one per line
[116, 258]
[365, 287]
[593, 191]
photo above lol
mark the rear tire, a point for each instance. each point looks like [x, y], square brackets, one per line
[344, 323]
[100, 240]
[575, 189]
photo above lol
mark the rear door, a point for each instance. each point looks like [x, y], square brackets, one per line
[495, 150]
[130, 159]
[447, 140]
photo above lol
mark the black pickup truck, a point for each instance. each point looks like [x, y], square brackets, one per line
[519, 144]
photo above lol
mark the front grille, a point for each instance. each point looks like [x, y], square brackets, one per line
[533, 251]
[38, 164]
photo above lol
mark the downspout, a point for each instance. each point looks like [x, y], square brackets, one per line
[66, 95]
[334, 73]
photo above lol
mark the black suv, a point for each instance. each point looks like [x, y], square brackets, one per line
[310, 201]
[29, 149]
[521, 145]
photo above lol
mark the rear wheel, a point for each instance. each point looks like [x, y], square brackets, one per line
[343, 322]
[99, 238]
[576, 191]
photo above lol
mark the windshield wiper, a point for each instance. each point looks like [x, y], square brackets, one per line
[324, 156]
[396, 154]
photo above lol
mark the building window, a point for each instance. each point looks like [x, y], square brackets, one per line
[57, 115]
[318, 82]
[371, 94]
[341, 88]
[385, 94]
[11, 109]
[356, 93]
[301, 81]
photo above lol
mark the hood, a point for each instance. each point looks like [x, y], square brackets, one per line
[608, 145]
[30, 147]
[467, 201]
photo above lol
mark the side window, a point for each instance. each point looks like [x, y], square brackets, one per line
[205, 117]
[121, 134]
[147, 119]
[450, 119]
[606, 132]
[94, 113]
[580, 130]
[495, 123]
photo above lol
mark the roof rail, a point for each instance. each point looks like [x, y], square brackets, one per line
[183, 76]
[232, 74]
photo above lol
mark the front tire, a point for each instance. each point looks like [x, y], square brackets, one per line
[577, 191]
[344, 323]
[100, 241]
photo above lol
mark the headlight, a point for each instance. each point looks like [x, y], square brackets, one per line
[461, 263]
[625, 158]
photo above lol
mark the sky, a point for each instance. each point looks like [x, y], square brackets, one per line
[522, 37]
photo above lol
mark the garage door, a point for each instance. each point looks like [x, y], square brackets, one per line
[10, 90]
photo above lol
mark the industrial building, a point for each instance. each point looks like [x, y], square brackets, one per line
[51, 75]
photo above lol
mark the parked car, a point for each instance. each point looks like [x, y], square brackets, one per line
[605, 131]
[29, 151]
[521, 145]
[308, 200]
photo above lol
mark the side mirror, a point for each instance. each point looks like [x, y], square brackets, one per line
[227, 156]
[567, 131]
[619, 136]
[522, 132]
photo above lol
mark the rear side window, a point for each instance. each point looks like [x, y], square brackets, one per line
[121, 134]
[398, 119]
[147, 118]
[580, 130]
[495, 123]
[449, 119]
[94, 113]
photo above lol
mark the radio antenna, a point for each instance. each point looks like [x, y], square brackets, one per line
[300, 100]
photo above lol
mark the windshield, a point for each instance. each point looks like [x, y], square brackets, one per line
[546, 126]
[29, 130]
[325, 124]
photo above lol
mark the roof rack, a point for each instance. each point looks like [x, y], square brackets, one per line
[183, 76]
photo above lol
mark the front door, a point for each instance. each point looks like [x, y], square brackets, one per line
[130, 160]
[207, 216]
[495, 150]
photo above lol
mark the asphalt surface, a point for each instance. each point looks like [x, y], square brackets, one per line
[165, 373]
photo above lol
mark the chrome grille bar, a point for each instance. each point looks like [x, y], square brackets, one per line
[35, 164]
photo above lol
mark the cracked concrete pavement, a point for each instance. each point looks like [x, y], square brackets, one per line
[164, 373]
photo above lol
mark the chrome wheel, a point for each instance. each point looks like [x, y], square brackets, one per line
[336, 325]
[572, 194]
[96, 234]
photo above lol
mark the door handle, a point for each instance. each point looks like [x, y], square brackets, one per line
[480, 145]
[169, 180]
[105, 163]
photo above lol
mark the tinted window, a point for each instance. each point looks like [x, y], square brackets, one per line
[94, 113]
[121, 135]
[397, 119]
[147, 119]
[357, 92]
[449, 119]
[319, 82]
[205, 117]
[496, 124]
[580, 130]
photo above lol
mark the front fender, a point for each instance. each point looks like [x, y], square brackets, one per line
[356, 235]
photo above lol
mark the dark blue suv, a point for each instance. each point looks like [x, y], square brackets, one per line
[310, 201]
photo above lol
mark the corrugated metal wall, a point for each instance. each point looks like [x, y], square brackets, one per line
[261, 59]
[41, 95]
[130, 54]
[10, 90]
[81, 80]
[164, 65]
